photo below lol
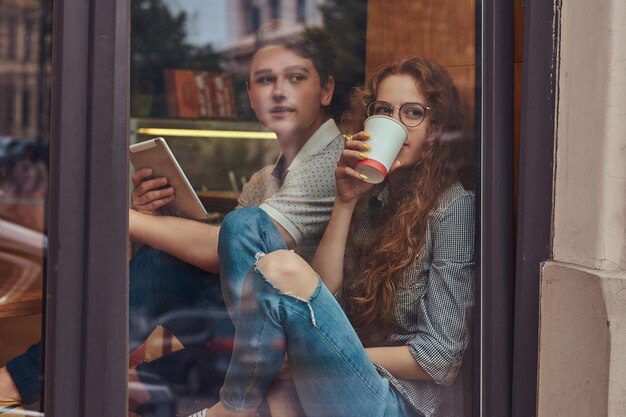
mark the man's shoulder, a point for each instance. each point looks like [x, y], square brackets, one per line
[320, 165]
[263, 173]
[335, 144]
[261, 186]
[330, 152]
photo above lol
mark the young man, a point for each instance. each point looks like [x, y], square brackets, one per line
[289, 204]
[290, 87]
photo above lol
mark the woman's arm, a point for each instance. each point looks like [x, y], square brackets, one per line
[443, 335]
[328, 260]
[399, 361]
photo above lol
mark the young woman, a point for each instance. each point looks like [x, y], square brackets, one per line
[379, 323]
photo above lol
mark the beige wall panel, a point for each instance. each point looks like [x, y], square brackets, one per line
[582, 366]
[590, 185]
[464, 78]
[17, 335]
[440, 30]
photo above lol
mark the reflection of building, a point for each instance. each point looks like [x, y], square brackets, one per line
[270, 19]
[251, 21]
[248, 16]
[200, 94]
[20, 24]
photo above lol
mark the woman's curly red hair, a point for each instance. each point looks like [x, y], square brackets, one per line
[400, 230]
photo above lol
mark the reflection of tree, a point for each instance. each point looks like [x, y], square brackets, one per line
[159, 41]
[346, 22]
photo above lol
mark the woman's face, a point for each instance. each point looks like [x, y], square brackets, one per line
[397, 90]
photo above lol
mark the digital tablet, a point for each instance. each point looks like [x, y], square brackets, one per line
[155, 154]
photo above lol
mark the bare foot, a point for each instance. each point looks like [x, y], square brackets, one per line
[218, 410]
[137, 392]
[8, 391]
[282, 399]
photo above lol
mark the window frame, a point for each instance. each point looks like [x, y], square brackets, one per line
[87, 280]
[536, 190]
[86, 303]
[495, 204]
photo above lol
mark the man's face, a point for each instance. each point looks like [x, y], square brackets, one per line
[286, 94]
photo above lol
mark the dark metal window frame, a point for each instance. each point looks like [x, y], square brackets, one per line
[534, 231]
[86, 290]
[495, 79]
[86, 304]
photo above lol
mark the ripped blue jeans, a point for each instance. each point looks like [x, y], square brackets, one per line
[331, 371]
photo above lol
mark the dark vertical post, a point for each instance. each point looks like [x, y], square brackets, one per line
[497, 249]
[534, 232]
[86, 310]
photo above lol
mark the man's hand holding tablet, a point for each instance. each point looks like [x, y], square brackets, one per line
[161, 184]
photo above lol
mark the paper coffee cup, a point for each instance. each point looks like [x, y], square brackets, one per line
[387, 135]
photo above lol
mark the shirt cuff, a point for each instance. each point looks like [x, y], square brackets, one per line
[282, 220]
[25, 370]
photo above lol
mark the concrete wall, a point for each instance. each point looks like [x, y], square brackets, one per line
[582, 358]
[590, 200]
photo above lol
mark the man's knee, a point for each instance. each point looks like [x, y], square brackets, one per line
[245, 218]
[289, 272]
[248, 229]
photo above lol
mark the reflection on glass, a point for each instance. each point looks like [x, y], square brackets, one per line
[24, 72]
[189, 67]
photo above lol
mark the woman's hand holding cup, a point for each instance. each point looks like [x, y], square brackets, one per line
[387, 137]
[350, 184]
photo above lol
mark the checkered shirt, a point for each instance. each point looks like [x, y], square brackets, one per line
[433, 305]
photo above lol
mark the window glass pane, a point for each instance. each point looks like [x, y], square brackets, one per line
[198, 80]
[24, 138]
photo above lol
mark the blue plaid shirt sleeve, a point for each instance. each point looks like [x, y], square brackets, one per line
[445, 306]
[25, 371]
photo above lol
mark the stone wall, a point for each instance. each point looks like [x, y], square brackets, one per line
[582, 357]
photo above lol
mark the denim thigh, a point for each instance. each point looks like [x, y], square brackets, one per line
[243, 234]
[161, 285]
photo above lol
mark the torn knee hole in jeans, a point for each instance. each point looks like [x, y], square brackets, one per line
[280, 291]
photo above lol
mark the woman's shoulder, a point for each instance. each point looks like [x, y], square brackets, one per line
[456, 209]
[456, 201]
[455, 196]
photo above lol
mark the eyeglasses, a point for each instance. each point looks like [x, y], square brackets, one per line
[411, 114]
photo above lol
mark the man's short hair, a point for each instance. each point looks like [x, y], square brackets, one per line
[314, 44]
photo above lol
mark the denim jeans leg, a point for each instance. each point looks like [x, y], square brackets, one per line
[332, 373]
[244, 233]
[161, 284]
